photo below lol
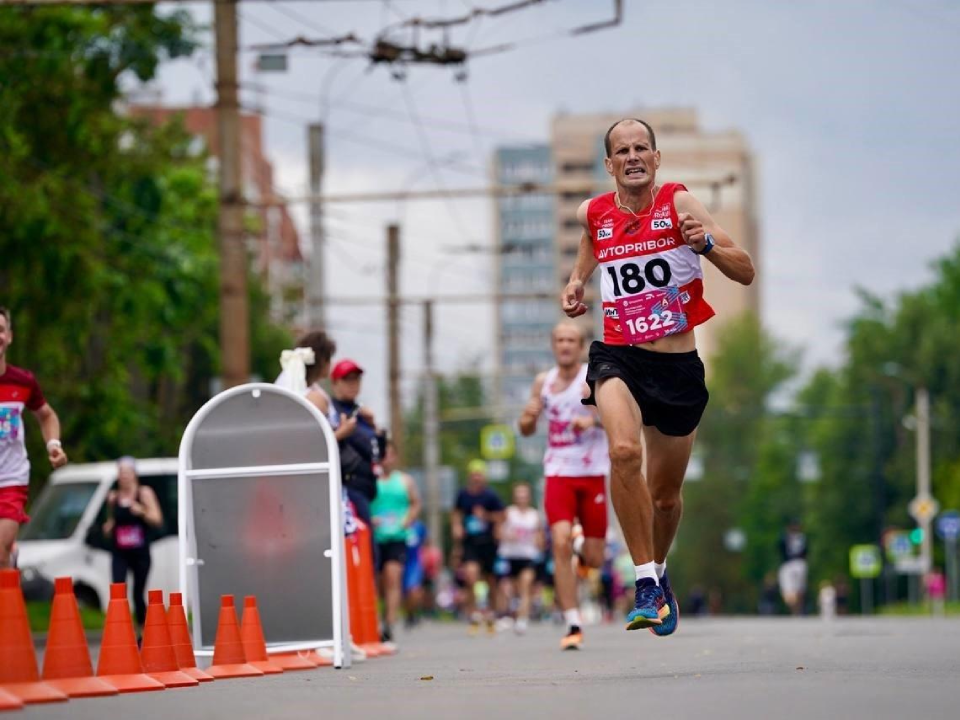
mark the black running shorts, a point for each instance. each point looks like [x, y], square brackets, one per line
[668, 387]
[513, 567]
[482, 553]
[391, 551]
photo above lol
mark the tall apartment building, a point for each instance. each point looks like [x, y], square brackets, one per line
[534, 254]
[274, 240]
[526, 262]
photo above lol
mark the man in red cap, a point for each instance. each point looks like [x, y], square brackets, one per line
[361, 450]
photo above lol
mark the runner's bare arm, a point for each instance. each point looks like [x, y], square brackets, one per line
[497, 518]
[531, 413]
[108, 524]
[149, 509]
[695, 223]
[456, 525]
[571, 300]
[50, 427]
[586, 421]
[319, 400]
[414, 512]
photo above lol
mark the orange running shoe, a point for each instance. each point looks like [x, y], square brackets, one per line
[573, 640]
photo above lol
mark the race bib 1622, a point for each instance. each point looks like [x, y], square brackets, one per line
[652, 315]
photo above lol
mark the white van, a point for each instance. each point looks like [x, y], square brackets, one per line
[65, 538]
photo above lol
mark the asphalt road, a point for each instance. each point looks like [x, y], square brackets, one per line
[716, 668]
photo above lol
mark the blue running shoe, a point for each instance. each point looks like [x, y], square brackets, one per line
[669, 623]
[650, 608]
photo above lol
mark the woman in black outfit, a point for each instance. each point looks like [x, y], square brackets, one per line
[132, 509]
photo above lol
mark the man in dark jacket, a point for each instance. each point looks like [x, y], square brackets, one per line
[361, 451]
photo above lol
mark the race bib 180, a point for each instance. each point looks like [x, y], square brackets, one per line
[652, 315]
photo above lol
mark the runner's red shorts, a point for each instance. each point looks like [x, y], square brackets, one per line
[13, 500]
[581, 498]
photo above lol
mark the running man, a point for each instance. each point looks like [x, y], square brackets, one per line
[521, 544]
[792, 575]
[413, 573]
[576, 464]
[646, 377]
[18, 390]
[394, 510]
[475, 527]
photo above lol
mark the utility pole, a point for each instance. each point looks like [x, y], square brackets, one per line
[234, 311]
[923, 474]
[316, 290]
[431, 431]
[493, 191]
[393, 333]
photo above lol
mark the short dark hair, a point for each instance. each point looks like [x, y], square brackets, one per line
[6, 313]
[653, 137]
[323, 349]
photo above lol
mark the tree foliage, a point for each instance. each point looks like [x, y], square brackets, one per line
[851, 417]
[107, 232]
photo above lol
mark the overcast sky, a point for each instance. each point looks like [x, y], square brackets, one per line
[849, 106]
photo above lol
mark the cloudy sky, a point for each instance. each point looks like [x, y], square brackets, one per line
[849, 105]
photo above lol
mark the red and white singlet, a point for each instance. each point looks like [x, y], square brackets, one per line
[571, 452]
[651, 281]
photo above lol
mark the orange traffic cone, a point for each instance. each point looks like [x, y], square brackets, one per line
[321, 660]
[367, 586]
[9, 702]
[180, 639]
[120, 664]
[359, 627]
[18, 665]
[251, 634]
[229, 659]
[159, 659]
[295, 660]
[66, 664]
[352, 563]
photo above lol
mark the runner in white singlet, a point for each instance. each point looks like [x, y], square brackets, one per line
[521, 544]
[575, 465]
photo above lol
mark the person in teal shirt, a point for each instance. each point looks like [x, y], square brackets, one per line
[395, 508]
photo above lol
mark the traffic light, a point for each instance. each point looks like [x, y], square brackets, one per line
[916, 536]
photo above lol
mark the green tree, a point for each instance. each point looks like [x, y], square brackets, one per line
[107, 232]
[747, 369]
[868, 454]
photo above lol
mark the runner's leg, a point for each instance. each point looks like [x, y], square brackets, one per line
[564, 577]
[592, 515]
[392, 594]
[471, 574]
[620, 415]
[667, 459]
[507, 590]
[139, 562]
[8, 536]
[525, 588]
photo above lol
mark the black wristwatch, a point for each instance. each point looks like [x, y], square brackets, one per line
[708, 247]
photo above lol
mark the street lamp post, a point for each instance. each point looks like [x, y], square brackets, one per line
[924, 513]
[923, 508]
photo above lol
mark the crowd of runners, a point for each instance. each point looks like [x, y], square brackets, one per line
[620, 418]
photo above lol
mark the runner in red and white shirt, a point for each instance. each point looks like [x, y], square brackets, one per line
[19, 391]
[646, 377]
[576, 464]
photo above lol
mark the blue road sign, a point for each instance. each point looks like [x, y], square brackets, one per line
[948, 525]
